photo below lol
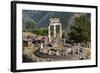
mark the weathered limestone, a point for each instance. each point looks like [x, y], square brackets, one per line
[54, 22]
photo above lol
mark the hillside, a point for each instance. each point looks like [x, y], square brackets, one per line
[42, 17]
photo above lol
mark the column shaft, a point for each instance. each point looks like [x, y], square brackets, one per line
[54, 31]
[60, 31]
[49, 36]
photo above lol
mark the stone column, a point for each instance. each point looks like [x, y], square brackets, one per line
[49, 33]
[54, 31]
[60, 31]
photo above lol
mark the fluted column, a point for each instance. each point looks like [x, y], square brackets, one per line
[49, 36]
[54, 31]
[60, 31]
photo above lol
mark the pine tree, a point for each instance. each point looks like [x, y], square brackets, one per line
[81, 31]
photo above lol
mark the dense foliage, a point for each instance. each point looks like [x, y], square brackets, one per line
[81, 31]
[40, 31]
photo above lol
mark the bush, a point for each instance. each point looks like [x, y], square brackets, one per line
[40, 31]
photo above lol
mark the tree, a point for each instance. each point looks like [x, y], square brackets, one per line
[65, 35]
[40, 31]
[81, 31]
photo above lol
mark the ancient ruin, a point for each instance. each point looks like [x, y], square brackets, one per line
[54, 22]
